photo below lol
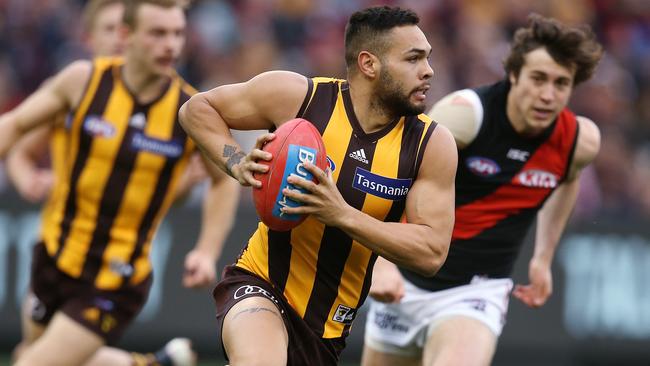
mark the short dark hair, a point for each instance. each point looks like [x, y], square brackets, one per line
[132, 6]
[366, 28]
[568, 46]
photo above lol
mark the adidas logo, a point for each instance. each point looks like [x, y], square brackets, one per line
[359, 155]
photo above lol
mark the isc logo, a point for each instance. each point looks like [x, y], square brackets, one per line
[297, 156]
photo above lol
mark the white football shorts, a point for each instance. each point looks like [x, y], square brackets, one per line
[403, 328]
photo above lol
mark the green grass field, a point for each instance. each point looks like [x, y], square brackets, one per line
[4, 360]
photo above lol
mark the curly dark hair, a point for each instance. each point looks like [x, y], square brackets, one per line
[366, 28]
[568, 46]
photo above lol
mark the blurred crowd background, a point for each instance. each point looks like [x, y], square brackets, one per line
[232, 40]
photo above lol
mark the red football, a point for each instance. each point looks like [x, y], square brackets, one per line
[296, 142]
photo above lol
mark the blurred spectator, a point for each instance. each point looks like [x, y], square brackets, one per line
[232, 40]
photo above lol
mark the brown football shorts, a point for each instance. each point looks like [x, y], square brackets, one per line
[106, 313]
[305, 346]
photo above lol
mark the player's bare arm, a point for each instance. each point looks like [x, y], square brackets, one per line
[55, 96]
[193, 174]
[422, 243]
[553, 217]
[265, 101]
[461, 112]
[32, 182]
[219, 204]
[587, 147]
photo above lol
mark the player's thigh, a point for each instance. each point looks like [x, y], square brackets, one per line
[254, 333]
[64, 342]
[372, 357]
[32, 330]
[459, 341]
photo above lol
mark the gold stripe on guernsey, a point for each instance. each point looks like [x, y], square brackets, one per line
[385, 163]
[304, 255]
[427, 122]
[142, 266]
[93, 180]
[139, 190]
[338, 129]
[190, 146]
[305, 242]
[51, 229]
[54, 207]
[257, 253]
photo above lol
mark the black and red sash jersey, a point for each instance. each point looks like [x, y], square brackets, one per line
[502, 181]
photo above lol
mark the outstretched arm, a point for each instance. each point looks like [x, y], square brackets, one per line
[552, 219]
[263, 102]
[55, 96]
[421, 244]
[219, 210]
[32, 182]
[194, 173]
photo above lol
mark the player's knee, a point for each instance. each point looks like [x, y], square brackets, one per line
[257, 353]
[18, 350]
[26, 358]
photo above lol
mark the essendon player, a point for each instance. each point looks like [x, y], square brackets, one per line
[520, 155]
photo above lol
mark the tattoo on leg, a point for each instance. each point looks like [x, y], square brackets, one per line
[255, 310]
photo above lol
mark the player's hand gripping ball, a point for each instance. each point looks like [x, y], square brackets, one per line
[296, 142]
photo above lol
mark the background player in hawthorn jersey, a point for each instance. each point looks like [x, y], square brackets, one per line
[520, 156]
[299, 291]
[122, 157]
[33, 180]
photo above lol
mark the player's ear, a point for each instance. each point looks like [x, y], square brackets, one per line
[368, 64]
[512, 77]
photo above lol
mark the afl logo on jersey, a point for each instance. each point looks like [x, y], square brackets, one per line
[537, 179]
[481, 166]
[331, 164]
[97, 126]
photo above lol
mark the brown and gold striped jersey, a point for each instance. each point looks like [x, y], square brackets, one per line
[323, 273]
[116, 163]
